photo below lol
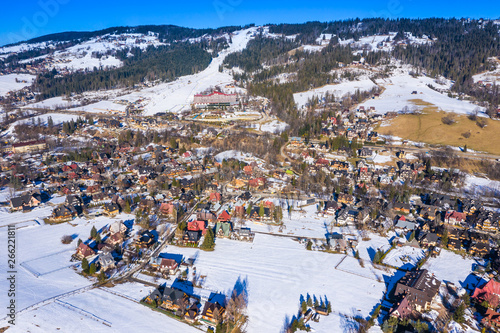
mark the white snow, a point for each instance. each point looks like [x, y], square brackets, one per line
[51, 103]
[102, 107]
[57, 118]
[338, 90]
[398, 94]
[8, 82]
[405, 257]
[480, 185]
[277, 271]
[451, 267]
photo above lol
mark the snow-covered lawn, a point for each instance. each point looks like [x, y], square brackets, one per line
[8, 82]
[39, 250]
[479, 185]
[405, 257]
[367, 249]
[451, 267]
[277, 271]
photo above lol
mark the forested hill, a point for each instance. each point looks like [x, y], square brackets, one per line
[166, 33]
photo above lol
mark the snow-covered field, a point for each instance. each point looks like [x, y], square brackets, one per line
[97, 311]
[102, 107]
[398, 94]
[8, 82]
[228, 154]
[451, 267]
[277, 271]
[479, 185]
[57, 118]
[51, 103]
[274, 126]
[338, 90]
[405, 257]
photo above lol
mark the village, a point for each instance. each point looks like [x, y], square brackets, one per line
[165, 195]
[190, 202]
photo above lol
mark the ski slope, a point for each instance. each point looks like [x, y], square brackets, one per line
[178, 95]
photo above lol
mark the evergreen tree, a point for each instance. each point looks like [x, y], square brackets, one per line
[102, 276]
[208, 242]
[92, 269]
[93, 232]
[249, 209]
[127, 208]
[303, 306]
[309, 300]
[50, 122]
[261, 210]
[85, 265]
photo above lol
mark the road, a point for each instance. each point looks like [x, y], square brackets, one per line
[145, 260]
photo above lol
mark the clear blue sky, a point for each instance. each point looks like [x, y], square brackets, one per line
[21, 20]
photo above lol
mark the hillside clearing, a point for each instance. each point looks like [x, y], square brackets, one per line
[427, 127]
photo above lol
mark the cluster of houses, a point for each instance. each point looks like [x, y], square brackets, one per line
[355, 124]
[188, 307]
[107, 248]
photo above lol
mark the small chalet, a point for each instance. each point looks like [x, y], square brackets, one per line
[111, 209]
[212, 312]
[25, 201]
[84, 251]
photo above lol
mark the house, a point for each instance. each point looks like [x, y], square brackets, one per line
[488, 292]
[25, 201]
[402, 207]
[84, 251]
[106, 261]
[346, 199]
[30, 146]
[244, 234]
[215, 197]
[404, 224]
[223, 229]
[197, 225]
[428, 239]
[173, 299]
[111, 209]
[428, 212]
[212, 312]
[165, 265]
[419, 287]
[191, 237]
[64, 213]
[401, 309]
[117, 227]
[115, 239]
[330, 208]
[146, 239]
[491, 320]
[191, 314]
[454, 217]
[224, 217]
